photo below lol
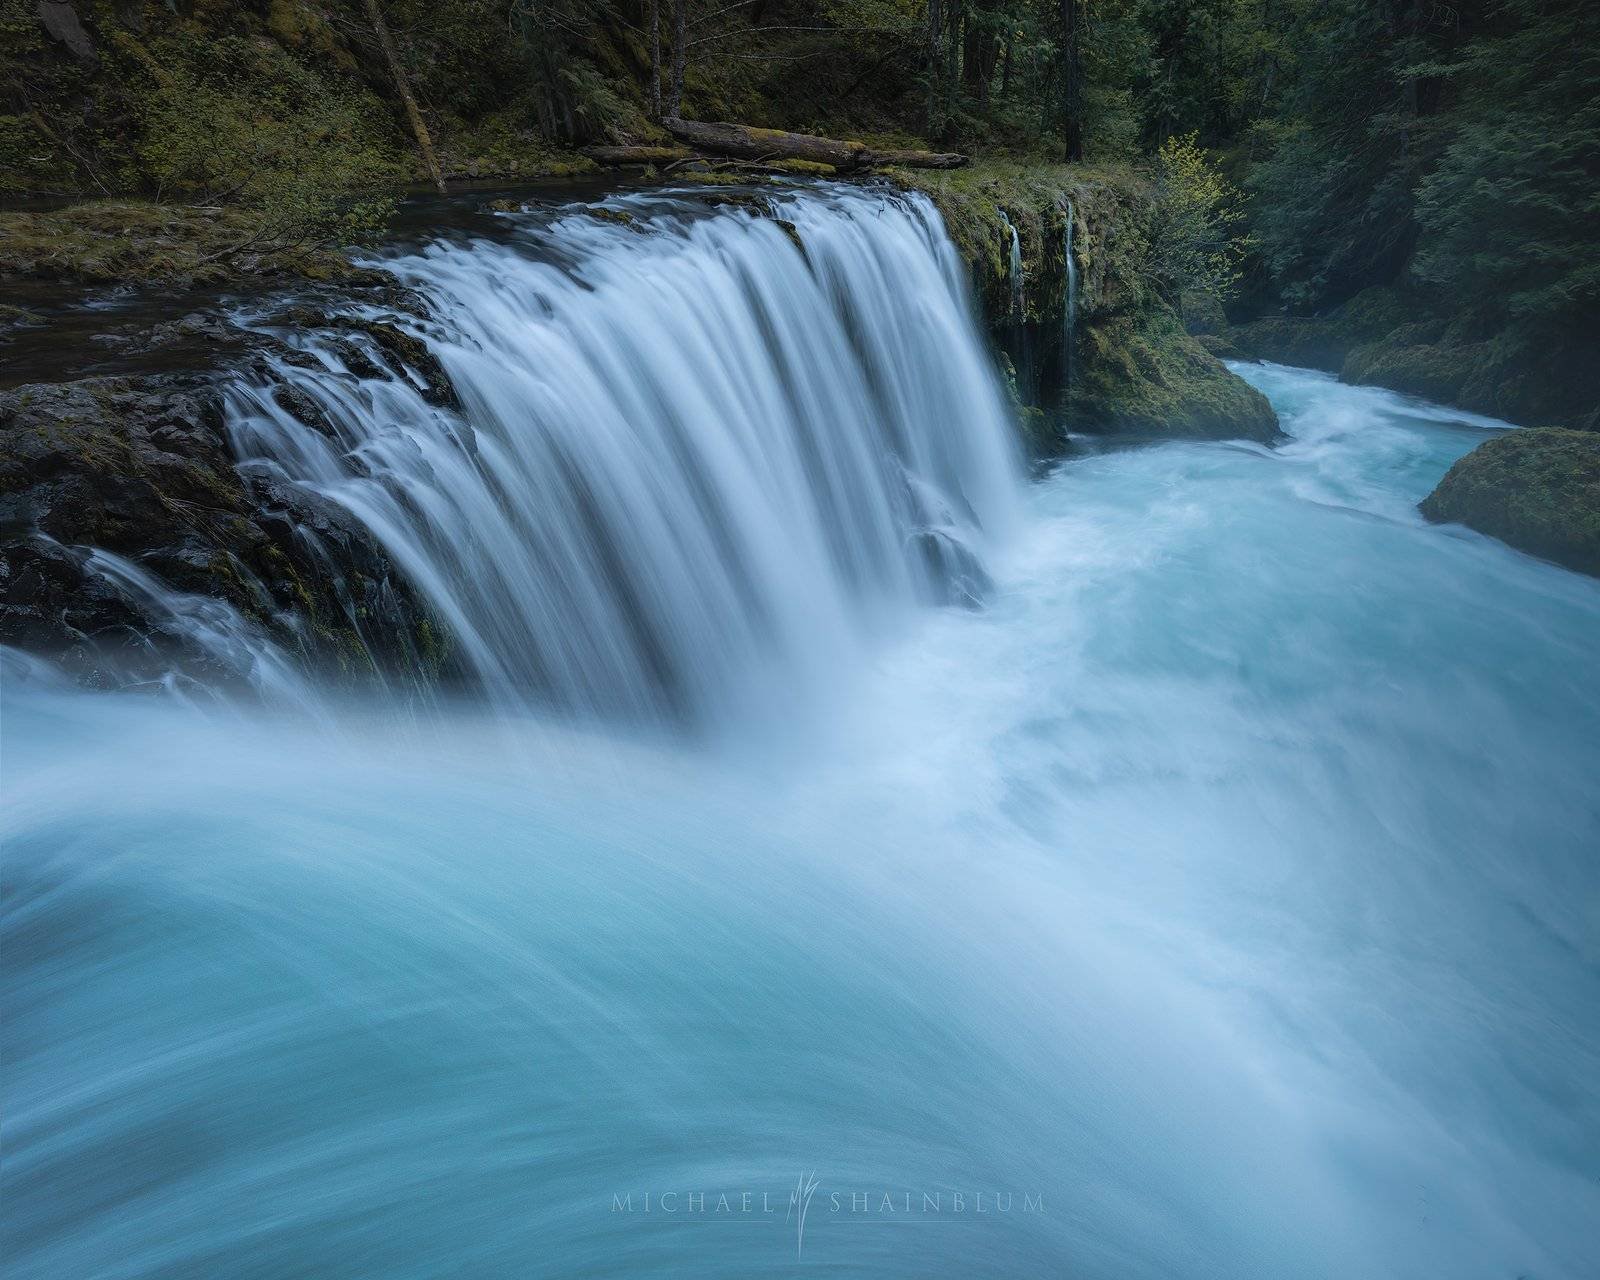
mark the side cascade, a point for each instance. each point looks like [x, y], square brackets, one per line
[1019, 307]
[696, 457]
[1070, 317]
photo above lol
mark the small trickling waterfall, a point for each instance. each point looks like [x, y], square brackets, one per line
[693, 460]
[1018, 298]
[1070, 318]
[1072, 277]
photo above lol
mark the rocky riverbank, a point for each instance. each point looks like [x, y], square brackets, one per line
[1391, 338]
[1535, 489]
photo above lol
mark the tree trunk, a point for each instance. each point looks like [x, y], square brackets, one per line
[424, 143]
[1072, 78]
[954, 28]
[655, 59]
[914, 159]
[935, 23]
[680, 51]
[980, 52]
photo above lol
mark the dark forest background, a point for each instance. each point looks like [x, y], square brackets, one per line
[1450, 150]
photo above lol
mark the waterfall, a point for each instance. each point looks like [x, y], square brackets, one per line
[1018, 302]
[699, 454]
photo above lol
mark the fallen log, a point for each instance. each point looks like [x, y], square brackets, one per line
[745, 143]
[636, 155]
[742, 142]
[915, 159]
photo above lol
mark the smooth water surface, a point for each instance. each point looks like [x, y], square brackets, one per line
[1220, 900]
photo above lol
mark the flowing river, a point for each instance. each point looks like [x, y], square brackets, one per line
[1219, 898]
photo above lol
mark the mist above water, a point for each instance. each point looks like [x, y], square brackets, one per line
[1226, 884]
[691, 458]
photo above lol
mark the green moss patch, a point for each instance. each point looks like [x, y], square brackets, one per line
[1538, 490]
[1141, 374]
[139, 242]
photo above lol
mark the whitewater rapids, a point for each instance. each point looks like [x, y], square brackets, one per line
[1223, 893]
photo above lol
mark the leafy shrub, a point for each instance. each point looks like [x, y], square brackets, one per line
[264, 132]
[1195, 214]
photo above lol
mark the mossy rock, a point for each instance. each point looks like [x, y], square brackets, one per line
[143, 468]
[1219, 345]
[1133, 368]
[1551, 380]
[1109, 240]
[1202, 315]
[1308, 342]
[139, 242]
[1141, 374]
[1536, 489]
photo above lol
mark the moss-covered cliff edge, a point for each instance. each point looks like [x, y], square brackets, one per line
[1118, 360]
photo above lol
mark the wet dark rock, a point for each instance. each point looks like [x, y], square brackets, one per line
[958, 576]
[295, 402]
[389, 351]
[411, 354]
[142, 468]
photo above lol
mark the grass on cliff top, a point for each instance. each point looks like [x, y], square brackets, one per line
[140, 242]
[971, 198]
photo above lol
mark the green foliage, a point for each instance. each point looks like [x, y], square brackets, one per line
[1116, 57]
[1195, 246]
[1360, 125]
[1511, 213]
[255, 128]
[1212, 66]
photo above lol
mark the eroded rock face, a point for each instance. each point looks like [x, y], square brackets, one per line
[141, 468]
[1538, 490]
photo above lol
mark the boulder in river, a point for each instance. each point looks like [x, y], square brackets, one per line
[1536, 489]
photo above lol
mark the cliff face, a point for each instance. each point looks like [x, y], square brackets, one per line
[1114, 358]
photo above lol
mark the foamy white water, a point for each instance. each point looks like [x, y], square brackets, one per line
[1222, 894]
[692, 462]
